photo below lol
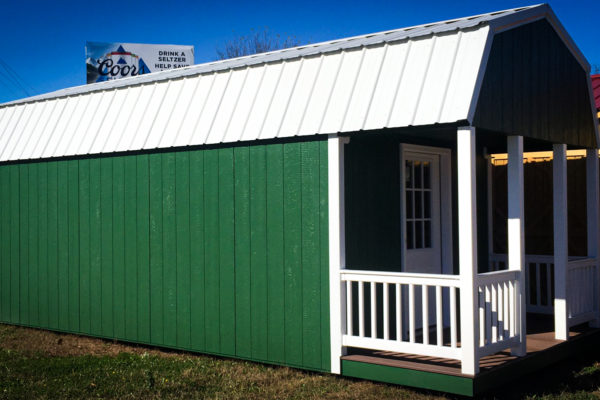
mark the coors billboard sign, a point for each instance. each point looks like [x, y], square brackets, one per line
[107, 61]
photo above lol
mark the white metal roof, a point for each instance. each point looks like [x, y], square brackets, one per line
[407, 77]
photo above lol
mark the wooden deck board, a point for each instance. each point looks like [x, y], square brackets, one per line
[540, 338]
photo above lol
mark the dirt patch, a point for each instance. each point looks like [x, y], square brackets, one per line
[32, 341]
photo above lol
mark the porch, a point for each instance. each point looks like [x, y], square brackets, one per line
[436, 373]
[483, 312]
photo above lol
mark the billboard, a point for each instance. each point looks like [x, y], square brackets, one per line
[107, 61]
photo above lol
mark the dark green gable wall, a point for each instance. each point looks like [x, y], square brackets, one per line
[534, 86]
[221, 250]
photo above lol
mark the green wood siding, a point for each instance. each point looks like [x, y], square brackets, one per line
[221, 250]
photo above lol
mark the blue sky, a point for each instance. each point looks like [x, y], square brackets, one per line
[44, 41]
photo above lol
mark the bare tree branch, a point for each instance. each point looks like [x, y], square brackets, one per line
[254, 43]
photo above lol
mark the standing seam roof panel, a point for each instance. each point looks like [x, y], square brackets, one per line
[414, 76]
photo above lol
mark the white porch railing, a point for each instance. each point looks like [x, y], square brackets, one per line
[402, 312]
[417, 313]
[582, 285]
[582, 290]
[539, 277]
[499, 319]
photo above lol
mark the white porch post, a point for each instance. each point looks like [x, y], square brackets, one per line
[337, 248]
[467, 249]
[593, 220]
[516, 235]
[559, 188]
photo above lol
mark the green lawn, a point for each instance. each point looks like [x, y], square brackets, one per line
[44, 365]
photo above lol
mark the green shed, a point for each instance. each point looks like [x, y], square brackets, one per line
[315, 207]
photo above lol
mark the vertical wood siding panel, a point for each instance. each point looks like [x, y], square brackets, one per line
[63, 244]
[293, 252]
[324, 255]
[106, 244]
[32, 245]
[43, 243]
[182, 207]
[23, 216]
[73, 243]
[84, 247]
[275, 254]
[96, 312]
[242, 253]
[211, 237]
[221, 250]
[311, 282]
[226, 252]
[197, 250]
[169, 250]
[258, 257]
[5, 229]
[118, 245]
[143, 247]
[130, 243]
[53, 244]
[156, 250]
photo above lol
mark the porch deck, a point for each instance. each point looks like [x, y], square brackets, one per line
[542, 350]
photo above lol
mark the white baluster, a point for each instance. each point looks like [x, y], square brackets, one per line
[438, 316]
[373, 311]
[500, 311]
[507, 311]
[488, 315]
[386, 312]
[453, 317]
[481, 309]
[361, 309]
[398, 312]
[411, 312]
[349, 307]
[425, 298]
[513, 320]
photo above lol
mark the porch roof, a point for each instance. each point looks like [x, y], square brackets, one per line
[391, 79]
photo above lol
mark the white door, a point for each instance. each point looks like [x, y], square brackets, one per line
[422, 226]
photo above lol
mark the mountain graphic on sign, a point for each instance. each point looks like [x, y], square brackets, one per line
[121, 49]
[143, 68]
[121, 61]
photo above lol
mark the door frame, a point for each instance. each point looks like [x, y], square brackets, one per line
[445, 175]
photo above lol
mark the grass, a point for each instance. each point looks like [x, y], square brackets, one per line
[37, 364]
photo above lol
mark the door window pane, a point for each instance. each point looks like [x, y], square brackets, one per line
[418, 204]
[418, 174]
[427, 175]
[409, 174]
